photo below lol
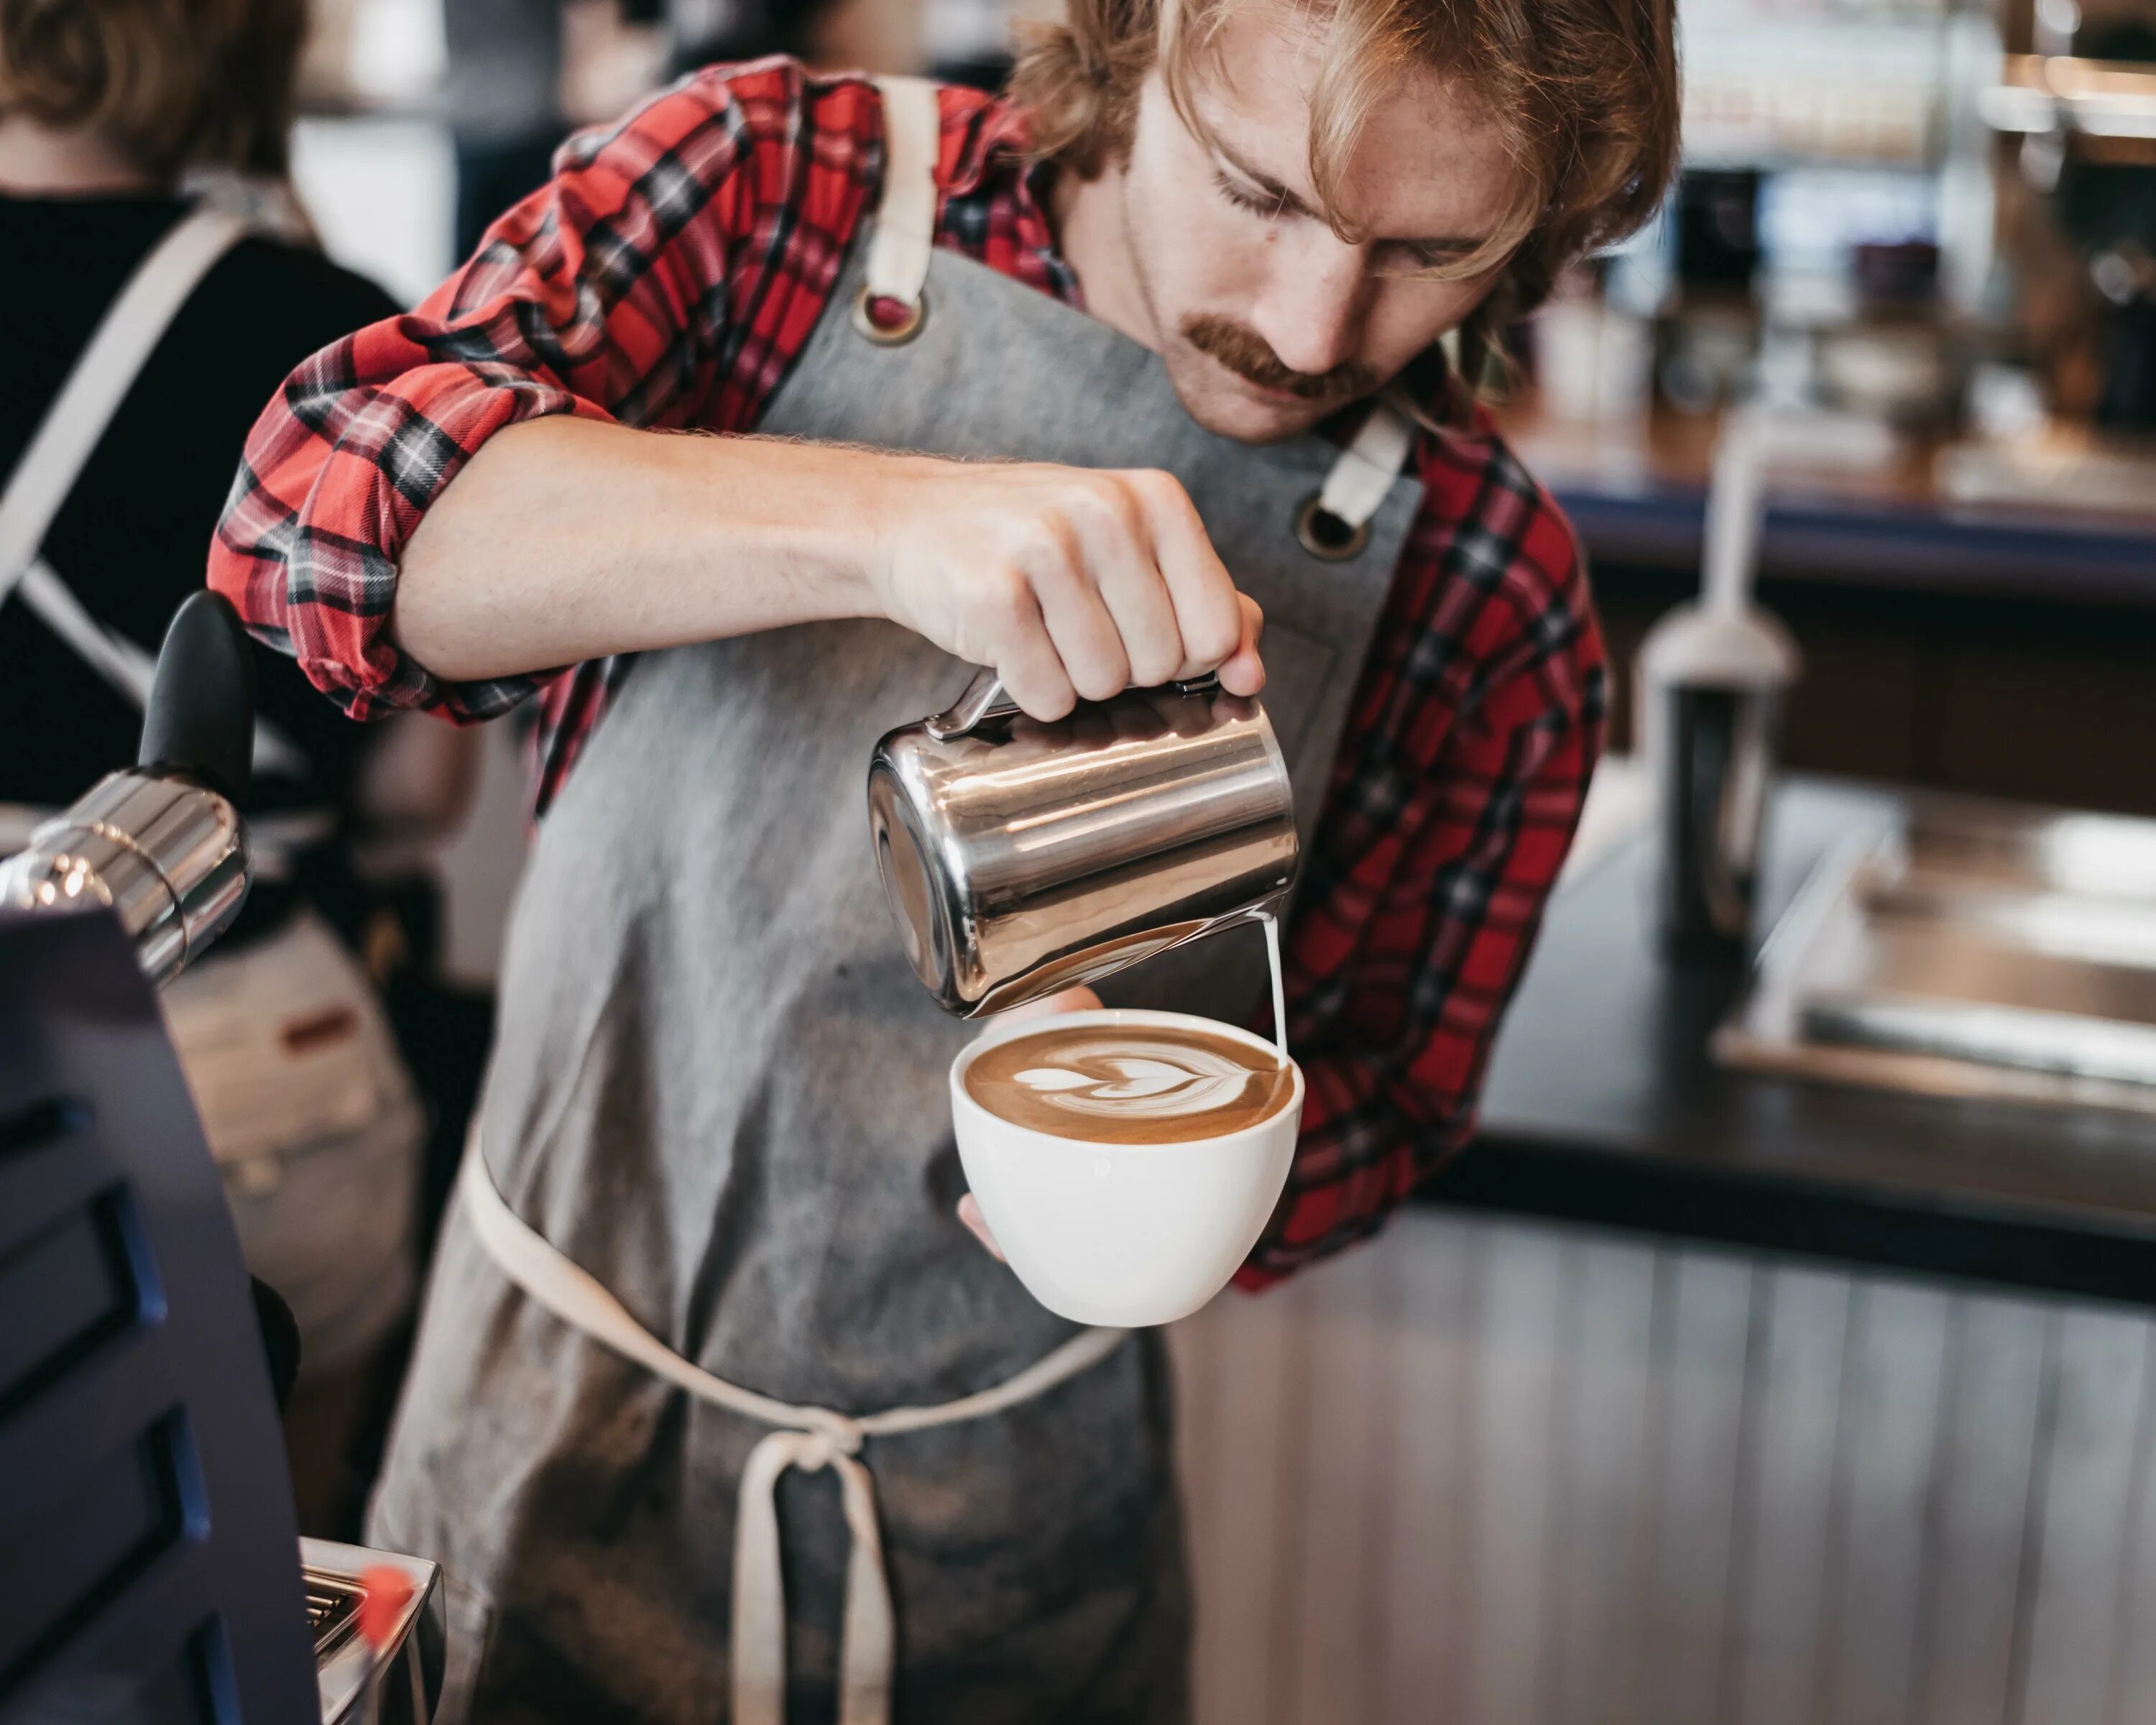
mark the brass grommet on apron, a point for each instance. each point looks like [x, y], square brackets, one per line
[889, 335]
[1325, 535]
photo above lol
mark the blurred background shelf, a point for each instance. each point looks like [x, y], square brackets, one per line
[2058, 93]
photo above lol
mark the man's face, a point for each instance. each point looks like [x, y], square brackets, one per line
[1266, 319]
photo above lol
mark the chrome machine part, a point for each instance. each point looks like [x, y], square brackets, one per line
[395, 1680]
[160, 845]
[166, 854]
[1018, 857]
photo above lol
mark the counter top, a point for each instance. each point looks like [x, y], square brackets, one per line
[1636, 491]
[1604, 1106]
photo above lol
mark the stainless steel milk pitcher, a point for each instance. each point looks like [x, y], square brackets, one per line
[1020, 857]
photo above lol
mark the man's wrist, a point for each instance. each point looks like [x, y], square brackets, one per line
[814, 512]
[867, 493]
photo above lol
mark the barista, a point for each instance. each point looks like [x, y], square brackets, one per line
[1188, 282]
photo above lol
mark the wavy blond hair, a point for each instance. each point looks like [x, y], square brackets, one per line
[176, 84]
[1584, 91]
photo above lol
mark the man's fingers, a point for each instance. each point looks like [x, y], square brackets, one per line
[1026, 657]
[969, 1212]
[1068, 570]
[1243, 672]
[1119, 551]
[1207, 615]
[1081, 998]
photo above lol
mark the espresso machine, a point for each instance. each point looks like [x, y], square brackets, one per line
[150, 1568]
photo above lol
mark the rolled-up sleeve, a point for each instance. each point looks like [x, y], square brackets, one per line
[644, 285]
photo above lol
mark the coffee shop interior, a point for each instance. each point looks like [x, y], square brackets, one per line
[1782, 1346]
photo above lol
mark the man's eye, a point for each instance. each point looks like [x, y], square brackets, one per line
[1246, 197]
[1417, 260]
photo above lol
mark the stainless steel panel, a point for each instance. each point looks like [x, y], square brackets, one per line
[1981, 950]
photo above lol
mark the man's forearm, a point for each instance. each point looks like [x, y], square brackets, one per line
[565, 540]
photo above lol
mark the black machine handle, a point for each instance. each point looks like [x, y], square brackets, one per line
[200, 717]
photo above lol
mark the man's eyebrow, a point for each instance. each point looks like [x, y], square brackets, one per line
[1455, 245]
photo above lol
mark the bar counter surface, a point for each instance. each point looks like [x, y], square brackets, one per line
[1603, 1107]
[1636, 491]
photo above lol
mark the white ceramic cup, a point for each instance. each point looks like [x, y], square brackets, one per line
[1122, 1234]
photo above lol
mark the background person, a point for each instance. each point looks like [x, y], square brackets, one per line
[107, 107]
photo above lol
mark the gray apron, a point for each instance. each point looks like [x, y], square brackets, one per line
[718, 1089]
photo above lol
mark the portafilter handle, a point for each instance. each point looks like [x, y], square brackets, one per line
[160, 843]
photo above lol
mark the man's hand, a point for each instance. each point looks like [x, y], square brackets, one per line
[1079, 999]
[1072, 583]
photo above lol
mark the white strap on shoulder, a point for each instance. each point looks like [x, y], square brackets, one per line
[100, 382]
[130, 670]
[72, 426]
[1364, 470]
[905, 216]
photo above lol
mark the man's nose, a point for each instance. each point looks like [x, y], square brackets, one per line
[1312, 307]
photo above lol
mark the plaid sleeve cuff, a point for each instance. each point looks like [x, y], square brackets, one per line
[1358, 1157]
[318, 579]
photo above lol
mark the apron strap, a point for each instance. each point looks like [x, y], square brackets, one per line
[130, 670]
[904, 233]
[162, 283]
[138, 319]
[1364, 471]
[1333, 523]
[808, 1438]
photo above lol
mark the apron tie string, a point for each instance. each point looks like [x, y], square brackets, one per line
[868, 1637]
[829, 1441]
[809, 1438]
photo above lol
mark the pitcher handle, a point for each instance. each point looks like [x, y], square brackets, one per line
[985, 701]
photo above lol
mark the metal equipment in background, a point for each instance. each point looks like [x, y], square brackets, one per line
[1978, 950]
[150, 1568]
[1712, 676]
[160, 845]
[1019, 858]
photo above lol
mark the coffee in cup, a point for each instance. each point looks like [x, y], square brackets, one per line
[1151, 1084]
[1126, 1161]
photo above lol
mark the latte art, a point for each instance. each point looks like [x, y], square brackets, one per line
[1146, 1083]
[1152, 1081]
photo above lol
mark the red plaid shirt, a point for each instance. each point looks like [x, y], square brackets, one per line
[667, 276]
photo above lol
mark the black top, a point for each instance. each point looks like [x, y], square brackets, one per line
[1605, 1106]
[132, 539]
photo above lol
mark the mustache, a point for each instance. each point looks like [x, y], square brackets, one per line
[1250, 357]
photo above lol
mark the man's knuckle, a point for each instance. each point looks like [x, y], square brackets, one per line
[1049, 545]
[1156, 661]
[1164, 490]
[1103, 680]
[1006, 603]
[1216, 634]
[1116, 503]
